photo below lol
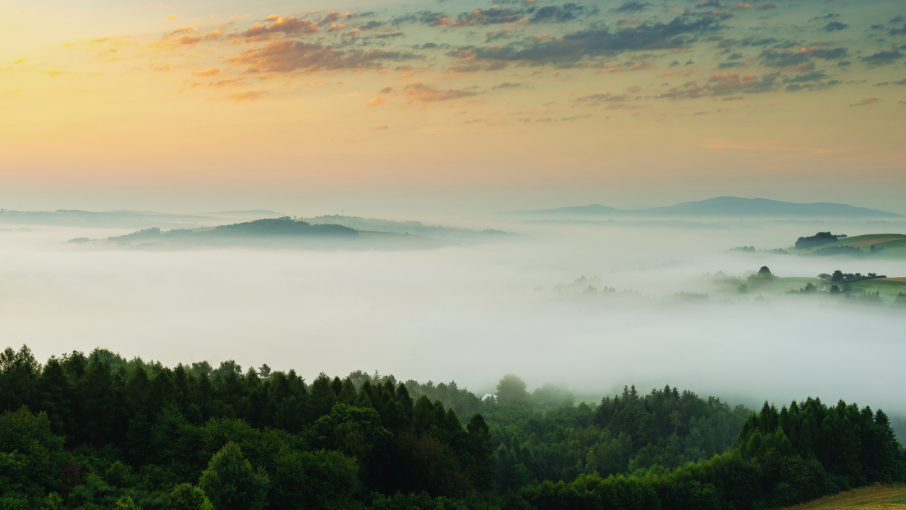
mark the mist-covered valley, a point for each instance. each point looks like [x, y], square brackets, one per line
[471, 312]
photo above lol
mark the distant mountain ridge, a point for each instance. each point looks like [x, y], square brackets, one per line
[727, 207]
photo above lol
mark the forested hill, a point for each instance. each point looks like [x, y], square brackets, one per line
[285, 228]
[102, 432]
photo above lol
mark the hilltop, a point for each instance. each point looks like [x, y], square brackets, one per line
[875, 245]
[725, 207]
[270, 233]
[457, 235]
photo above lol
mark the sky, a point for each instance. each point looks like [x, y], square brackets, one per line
[315, 107]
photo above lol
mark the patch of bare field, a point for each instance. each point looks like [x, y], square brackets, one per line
[895, 279]
[866, 498]
[870, 242]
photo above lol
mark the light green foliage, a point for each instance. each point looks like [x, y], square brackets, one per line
[511, 391]
[187, 497]
[126, 504]
[231, 483]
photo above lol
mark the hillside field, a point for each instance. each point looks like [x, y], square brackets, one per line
[865, 498]
[891, 245]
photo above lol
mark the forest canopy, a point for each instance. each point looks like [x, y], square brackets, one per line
[98, 431]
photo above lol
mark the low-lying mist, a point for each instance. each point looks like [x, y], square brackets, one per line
[473, 313]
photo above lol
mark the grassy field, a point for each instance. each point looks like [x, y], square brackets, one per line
[891, 245]
[886, 286]
[865, 498]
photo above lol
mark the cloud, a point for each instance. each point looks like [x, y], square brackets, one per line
[372, 25]
[556, 13]
[376, 101]
[207, 72]
[814, 76]
[172, 17]
[471, 121]
[283, 56]
[632, 6]
[380, 128]
[423, 17]
[386, 90]
[508, 85]
[599, 98]
[492, 16]
[900, 82]
[826, 16]
[867, 101]
[274, 25]
[828, 53]
[182, 37]
[429, 93]
[898, 31]
[249, 95]
[594, 42]
[766, 7]
[834, 26]
[799, 60]
[575, 117]
[727, 84]
[333, 16]
[774, 58]
[882, 58]
[809, 81]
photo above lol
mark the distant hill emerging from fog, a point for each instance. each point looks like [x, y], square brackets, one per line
[282, 232]
[579, 210]
[459, 235]
[726, 207]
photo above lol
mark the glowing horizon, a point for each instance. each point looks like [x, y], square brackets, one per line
[548, 103]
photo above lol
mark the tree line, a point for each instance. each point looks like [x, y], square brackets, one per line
[98, 431]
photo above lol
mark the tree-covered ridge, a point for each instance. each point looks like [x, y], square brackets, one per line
[101, 432]
[272, 227]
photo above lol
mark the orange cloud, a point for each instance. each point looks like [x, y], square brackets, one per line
[249, 95]
[334, 16]
[428, 93]
[376, 101]
[207, 72]
[280, 25]
[867, 101]
[286, 56]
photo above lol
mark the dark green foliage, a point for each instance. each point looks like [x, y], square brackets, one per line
[319, 479]
[100, 432]
[818, 239]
